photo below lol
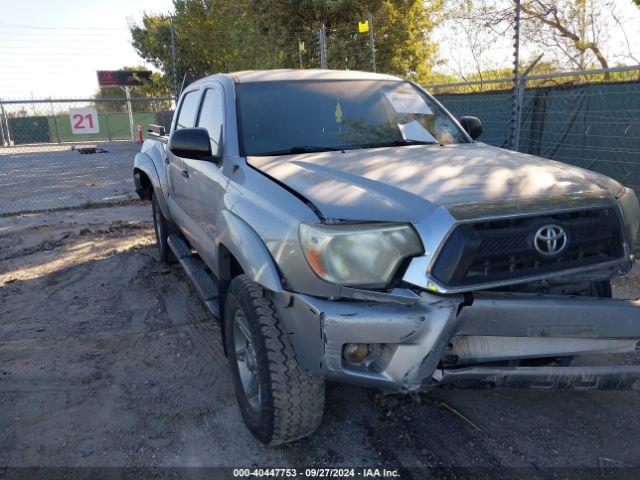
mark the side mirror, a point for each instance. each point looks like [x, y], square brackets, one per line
[191, 143]
[472, 125]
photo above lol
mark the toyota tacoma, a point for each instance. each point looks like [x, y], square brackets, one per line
[345, 226]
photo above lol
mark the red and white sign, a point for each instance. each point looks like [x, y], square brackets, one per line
[84, 120]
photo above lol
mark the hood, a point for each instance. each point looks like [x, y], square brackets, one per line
[408, 183]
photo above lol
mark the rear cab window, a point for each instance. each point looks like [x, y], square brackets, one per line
[188, 109]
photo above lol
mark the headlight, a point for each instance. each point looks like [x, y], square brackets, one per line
[362, 254]
[631, 212]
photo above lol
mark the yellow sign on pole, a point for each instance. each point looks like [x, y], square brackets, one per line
[301, 46]
[363, 27]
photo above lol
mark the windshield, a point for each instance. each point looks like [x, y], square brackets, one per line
[299, 116]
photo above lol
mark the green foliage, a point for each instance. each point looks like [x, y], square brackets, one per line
[229, 35]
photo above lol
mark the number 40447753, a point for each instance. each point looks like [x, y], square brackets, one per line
[84, 120]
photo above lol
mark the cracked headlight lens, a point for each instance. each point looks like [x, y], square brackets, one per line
[360, 254]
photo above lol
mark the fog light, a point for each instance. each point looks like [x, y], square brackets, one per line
[355, 352]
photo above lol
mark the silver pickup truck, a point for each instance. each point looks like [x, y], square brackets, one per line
[344, 226]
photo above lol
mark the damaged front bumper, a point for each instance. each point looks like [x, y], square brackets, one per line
[459, 340]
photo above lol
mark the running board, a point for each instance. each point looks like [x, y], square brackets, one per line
[205, 285]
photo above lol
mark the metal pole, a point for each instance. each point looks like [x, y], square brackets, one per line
[2, 141]
[521, 89]
[127, 91]
[106, 121]
[4, 138]
[55, 122]
[4, 126]
[174, 60]
[516, 75]
[372, 40]
[520, 102]
[300, 51]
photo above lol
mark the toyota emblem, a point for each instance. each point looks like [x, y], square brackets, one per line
[550, 240]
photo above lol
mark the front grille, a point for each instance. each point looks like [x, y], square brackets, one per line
[492, 251]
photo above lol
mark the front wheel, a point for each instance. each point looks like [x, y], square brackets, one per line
[280, 401]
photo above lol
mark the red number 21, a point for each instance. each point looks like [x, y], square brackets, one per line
[78, 118]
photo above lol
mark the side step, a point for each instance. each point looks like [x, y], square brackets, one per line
[205, 285]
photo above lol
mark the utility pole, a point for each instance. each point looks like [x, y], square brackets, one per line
[300, 49]
[322, 41]
[515, 114]
[372, 41]
[174, 60]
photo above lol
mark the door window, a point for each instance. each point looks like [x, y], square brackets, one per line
[212, 116]
[188, 109]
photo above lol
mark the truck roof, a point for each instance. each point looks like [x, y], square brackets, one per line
[248, 76]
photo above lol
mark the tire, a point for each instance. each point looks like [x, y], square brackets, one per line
[162, 230]
[285, 402]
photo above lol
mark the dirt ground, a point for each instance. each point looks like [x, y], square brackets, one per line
[107, 358]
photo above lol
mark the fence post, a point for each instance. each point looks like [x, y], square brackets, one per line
[516, 75]
[2, 141]
[4, 134]
[55, 122]
[522, 86]
[106, 121]
[127, 91]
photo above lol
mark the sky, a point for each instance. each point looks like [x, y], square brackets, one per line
[52, 48]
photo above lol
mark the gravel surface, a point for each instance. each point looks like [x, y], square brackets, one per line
[107, 358]
[43, 177]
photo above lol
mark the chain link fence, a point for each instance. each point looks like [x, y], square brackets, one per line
[589, 119]
[72, 153]
[79, 152]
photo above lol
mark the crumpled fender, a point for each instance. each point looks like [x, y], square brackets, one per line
[249, 249]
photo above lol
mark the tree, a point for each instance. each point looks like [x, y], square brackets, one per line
[225, 35]
[574, 27]
[572, 34]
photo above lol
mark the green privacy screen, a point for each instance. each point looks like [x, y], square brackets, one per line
[594, 126]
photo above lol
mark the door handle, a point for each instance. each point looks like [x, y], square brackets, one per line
[185, 173]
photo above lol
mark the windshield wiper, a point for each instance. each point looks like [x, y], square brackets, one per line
[295, 150]
[399, 143]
